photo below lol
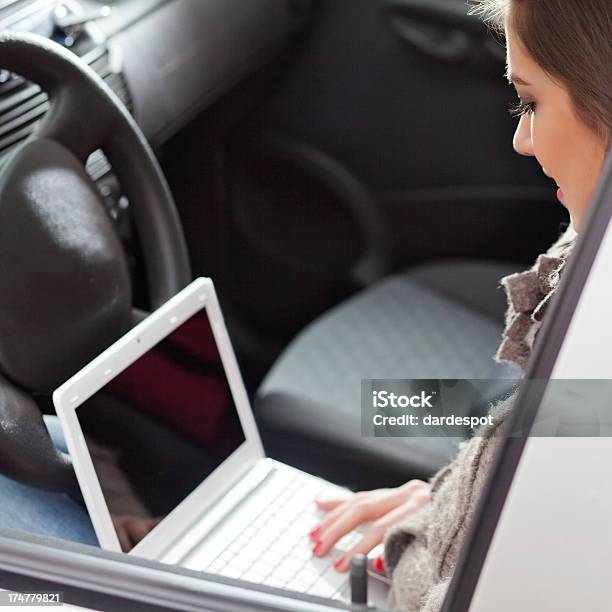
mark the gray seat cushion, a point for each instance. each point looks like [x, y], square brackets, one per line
[441, 320]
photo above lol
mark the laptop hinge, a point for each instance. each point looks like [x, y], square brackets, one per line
[193, 535]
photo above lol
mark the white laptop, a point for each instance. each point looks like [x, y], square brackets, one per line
[156, 437]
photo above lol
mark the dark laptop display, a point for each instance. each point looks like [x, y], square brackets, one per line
[160, 427]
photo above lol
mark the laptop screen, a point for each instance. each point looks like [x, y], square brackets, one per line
[159, 428]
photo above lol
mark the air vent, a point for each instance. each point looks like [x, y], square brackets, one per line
[23, 105]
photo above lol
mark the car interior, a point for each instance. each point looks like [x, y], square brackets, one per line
[343, 171]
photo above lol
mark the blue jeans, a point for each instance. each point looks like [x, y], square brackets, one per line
[42, 512]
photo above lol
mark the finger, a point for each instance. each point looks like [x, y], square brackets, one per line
[362, 508]
[150, 523]
[379, 565]
[333, 506]
[315, 534]
[412, 506]
[138, 529]
[330, 519]
[371, 538]
[124, 540]
[329, 504]
[376, 532]
[348, 520]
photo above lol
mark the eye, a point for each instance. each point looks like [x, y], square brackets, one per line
[522, 108]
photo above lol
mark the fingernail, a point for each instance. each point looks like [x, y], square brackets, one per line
[339, 562]
[314, 533]
[317, 548]
[379, 564]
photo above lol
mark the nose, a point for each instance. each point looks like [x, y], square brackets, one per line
[522, 142]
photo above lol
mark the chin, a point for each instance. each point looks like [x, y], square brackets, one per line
[576, 222]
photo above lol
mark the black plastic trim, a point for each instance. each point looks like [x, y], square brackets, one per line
[373, 263]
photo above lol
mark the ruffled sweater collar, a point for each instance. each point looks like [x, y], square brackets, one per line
[529, 294]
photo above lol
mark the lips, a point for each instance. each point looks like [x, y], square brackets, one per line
[560, 195]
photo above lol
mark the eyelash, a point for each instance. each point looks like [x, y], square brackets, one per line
[522, 108]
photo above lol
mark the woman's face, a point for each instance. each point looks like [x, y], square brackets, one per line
[549, 129]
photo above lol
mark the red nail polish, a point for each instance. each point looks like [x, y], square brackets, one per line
[317, 548]
[379, 564]
[339, 562]
[314, 533]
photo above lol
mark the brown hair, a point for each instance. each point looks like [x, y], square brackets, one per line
[572, 41]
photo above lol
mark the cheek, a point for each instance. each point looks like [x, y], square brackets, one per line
[550, 144]
[583, 160]
[571, 153]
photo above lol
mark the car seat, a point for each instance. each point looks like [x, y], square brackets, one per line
[439, 320]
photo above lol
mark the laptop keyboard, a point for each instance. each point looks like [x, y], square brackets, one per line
[274, 548]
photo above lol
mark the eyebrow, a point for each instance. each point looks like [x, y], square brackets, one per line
[516, 80]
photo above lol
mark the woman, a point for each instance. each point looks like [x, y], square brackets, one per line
[559, 59]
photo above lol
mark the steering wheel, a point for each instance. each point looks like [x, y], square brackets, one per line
[65, 291]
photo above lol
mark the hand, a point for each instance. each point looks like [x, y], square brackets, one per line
[382, 507]
[131, 529]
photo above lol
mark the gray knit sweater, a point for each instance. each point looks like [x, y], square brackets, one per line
[421, 552]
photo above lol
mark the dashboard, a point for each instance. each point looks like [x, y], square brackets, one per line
[185, 54]
[167, 60]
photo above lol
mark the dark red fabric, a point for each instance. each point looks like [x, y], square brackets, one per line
[181, 381]
[196, 337]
